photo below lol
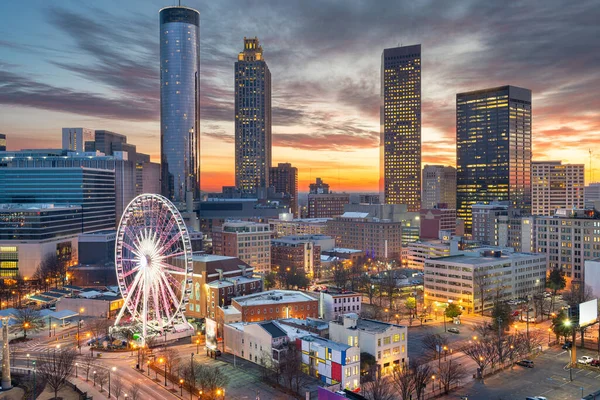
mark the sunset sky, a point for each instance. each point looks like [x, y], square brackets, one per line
[95, 64]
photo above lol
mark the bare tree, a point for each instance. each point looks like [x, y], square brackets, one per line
[484, 352]
[27, 319]
[186, 372]
[55, 368]
[210, 378]
[434, 342]
[380, 388]
[483, 330]
[540, 305]
[99, 327]
[171, 357]
[117, 385]
[450, 374]
[482, 285]
[291, 367]
[421, 375]
[134, 391]
[388, 284]
[87, 363]
[340, 275]
[405, 381]
[101, 377]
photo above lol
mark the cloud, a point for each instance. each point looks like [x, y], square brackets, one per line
[331, 142]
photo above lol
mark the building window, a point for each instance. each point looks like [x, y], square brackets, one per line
[396, 350]
[379, 342]
[396, 338]
[379, 355]
[387, 340]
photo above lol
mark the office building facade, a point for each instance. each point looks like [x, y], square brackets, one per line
[493, 149]
[439, 186]
[555, 185]
[2, 142]
[249, 241]
[592, 196]
[252, 118]
[284, 178]
[400, 142]
[327, 205]
[74, 139]
[460, 279]
[180, 102]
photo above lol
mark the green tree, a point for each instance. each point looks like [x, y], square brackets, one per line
[452, 311]
[560, 326]
[556, 281]
[501, 312]
[27, 319]
[367, 365]
[269, 280]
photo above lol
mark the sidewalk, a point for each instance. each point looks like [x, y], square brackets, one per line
[88, 387]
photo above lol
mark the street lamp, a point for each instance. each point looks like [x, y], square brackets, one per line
[76, 365]
[54, 327]
[162, 360]
[28, 360]
[113, 369]
[94, 373]
[148, 364]
[445, 352]
[181, 386]
[433, 383]
[197, 346]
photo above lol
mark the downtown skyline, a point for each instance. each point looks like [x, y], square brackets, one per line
[75, 69]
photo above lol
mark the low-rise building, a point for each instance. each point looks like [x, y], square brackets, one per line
[497, 274]
[418, 252]
[300, 252]
[286, 225]
[334, 301]
[327, 205]
[434, 220]
[332, 362]
[276, 304]
[384, 341]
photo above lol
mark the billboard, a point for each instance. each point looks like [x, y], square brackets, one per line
[211, 333]
[588, 313]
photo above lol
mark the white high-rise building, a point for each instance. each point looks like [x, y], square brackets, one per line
[555, 185]
[439, 186]
[73, 139]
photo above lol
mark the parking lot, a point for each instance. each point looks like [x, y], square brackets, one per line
[549, 378]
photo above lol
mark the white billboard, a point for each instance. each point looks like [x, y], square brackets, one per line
[588, 312]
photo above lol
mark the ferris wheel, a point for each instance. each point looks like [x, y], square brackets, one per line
[153, 260]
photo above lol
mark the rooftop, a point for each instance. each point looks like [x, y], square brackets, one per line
[369, 325]
[351, 214]
[210, 257]
[326, 343]
[37, 206]
[476, 257]
[273, 297]
[294, 239]
[274, 330]
[343, 250]
[303, 220]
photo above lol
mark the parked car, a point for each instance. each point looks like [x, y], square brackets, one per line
[453, 330]
[585, 360]
[595, 363]
[536, 398]
[567, 345]
[525, 363]
[516, 313]
[547, 294]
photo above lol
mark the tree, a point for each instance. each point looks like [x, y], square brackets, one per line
[55, 368]
[421, 376]
[87, 363]
[269, 280]
[539, 305]
[299, 280]
[101, 378]
[171, 357]
[501, 312]
[481, 282]
[411, 306]
[210, 378]
[186, 372]
[134, 391]
[450, 374]
[404, 380]
[99, 327]
[452, 311]
[340, 274]
[433, 342]
[379, 388]
[560, 327]
[556, 281]
[291, 366]
[483, 329]
[388, 283]
[368, 365]
[483, 352]
[117, 385]
[27, 319]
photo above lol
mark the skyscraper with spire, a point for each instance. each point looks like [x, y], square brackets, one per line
[400, 142]
[180, 102]
[252, 119]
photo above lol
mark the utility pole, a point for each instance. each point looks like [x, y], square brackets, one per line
[500, 338]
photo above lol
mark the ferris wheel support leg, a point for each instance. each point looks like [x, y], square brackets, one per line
[120, 315]
[145, 310]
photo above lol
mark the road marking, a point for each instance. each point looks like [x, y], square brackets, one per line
[561, 353]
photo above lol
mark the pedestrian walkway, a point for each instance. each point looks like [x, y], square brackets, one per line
[89, 387]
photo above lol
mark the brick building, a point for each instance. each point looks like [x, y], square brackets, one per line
[276, 304]
[435, 220]
[249, 241]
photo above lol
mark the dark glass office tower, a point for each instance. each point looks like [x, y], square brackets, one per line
[400, 142]
[180, 102]
[252, 119]
[493, 149]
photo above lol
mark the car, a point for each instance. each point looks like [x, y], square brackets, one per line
[536, 398]
[595, 363]
[516, 313]
[453, 330]
[585, 360]
[567, 345]
[525, 363]
[547, 294]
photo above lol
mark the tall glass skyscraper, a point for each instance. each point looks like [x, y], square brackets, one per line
[180, 102]
[493, 149]
[252, 119]
[400, 143]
